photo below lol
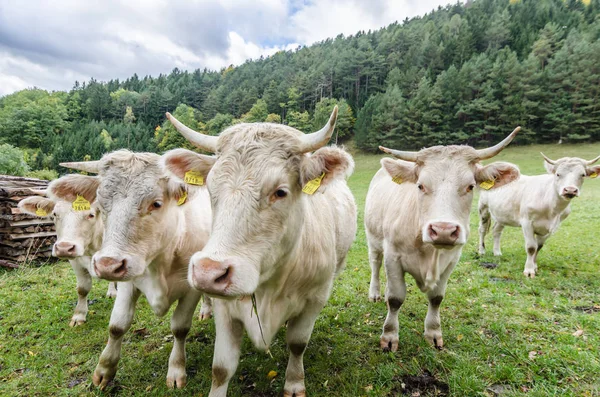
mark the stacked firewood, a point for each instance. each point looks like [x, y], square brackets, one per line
[23, 237]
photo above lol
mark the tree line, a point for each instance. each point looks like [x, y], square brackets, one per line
[464, 73]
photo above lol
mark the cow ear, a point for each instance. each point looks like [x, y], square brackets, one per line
[178, 162]
[332, 161]
[70, 186]
[593, 171]
[32, 205]
[405, 171]
[549, 167]
[500, 173]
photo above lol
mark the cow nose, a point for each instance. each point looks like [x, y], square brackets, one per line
[443, 232]
[110, 268]
[570, 191]
[211, 276]
[64, 249]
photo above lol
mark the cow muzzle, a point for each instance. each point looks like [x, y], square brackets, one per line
[443, 234]
[226, 279]
[570, 192]
[65, 249]
[110, 268]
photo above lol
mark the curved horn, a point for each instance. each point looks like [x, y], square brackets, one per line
[490, 152]
[402, 155]
[548, 159]
[38, 192]
[87, 166]
[315, 140]
[590, 162]
[202, 141]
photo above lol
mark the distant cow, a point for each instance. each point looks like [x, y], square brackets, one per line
[283, 222]
[78, 231]
[537, 204]
[417, 221]
[151, 229]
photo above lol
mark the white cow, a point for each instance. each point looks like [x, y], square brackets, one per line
[537, 204]
[148, 241]
[270, 240]
[417, 220]
[78, 232]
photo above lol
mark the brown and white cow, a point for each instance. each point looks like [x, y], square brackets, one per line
[269, 240]
[78, 232]
[417, 221]
[537, 204]
[148, 241]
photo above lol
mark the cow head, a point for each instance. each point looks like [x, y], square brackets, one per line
[137, 202]
[255, 186]
[569, 173]
[78, 230]
[445, 177]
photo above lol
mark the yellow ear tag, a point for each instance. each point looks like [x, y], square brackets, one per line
[397, 179]
[193, 178]
[312, 185]
[81, 204]
[487, 185]
[41, 212]
[182, 198]
[594, 175]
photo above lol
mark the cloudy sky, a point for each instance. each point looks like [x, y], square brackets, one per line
[52, 44]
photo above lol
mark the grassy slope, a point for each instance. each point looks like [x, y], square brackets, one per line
[492, 320]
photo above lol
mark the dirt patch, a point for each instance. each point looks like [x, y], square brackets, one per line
[420, 385]
[489, 265]
[588, 309]
[74, 382]
[501, 280]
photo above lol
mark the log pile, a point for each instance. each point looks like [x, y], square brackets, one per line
[23, 237]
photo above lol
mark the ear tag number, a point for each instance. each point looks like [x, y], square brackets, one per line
[487, 185]
[41, 212]
[594, 175]
[312, 185]
[182, 198]
[81, 204]
[193, 178]
[397, 179]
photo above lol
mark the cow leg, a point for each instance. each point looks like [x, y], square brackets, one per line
[531, 247]
[497, 232]
[228, 343]
[395, 293]
[112, 290]
[180, 326]
[375, 258]
[205, 308]
[84, 285]
[540, 243]
[298, 334]
[485, 220]
[433, 322]
[120, 321]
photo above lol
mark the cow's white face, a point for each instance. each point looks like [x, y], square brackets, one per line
[569, 173]
[445, 177]
[255, 187]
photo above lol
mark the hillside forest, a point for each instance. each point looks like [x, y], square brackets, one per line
[464, 73]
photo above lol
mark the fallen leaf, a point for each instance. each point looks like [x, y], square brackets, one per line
[369, 388]
[149, 388]
[578, 333]
[271, 375]
[32, 354]
[325, 383]
[459, 337]
[532, 354]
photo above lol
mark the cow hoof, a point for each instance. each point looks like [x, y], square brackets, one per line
[435, 339]
[75, 321]
[176, 382]
[529, 273]
[389, 343]
[102, 376]
[497, 253]
[111, 294]
[294, 394]
[204, 314]
[374, 298]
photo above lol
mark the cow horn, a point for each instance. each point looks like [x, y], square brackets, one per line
[490, 152]
[402, 155]
[202, 141]
[590, 162]
[87, 166]
[315, 140]
[548, 160]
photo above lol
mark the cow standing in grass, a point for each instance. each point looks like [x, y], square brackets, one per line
[270, 240]
[417, 221]
[78, 232]
[537, 204]
[150, 232]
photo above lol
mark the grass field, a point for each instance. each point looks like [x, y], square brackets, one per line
[503, 334]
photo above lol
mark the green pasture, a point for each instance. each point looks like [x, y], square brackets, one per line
[503, 334]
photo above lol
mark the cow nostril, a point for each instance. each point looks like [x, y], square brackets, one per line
[122, 268]
[71, 248]
[455, 232]
[222, 278]
[432, 231]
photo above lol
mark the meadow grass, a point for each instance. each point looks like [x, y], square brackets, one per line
[503, 334]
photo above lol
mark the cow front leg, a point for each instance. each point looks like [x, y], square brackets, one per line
[228, 343]
[112, 290]
[120, 322]
[531, 247]
[485, 220]
[206, 308]
[540, 240]
[497, 232]
[433, 322]
[395, 293]
[84, 285]
[180, 326]
[298, 334]
[375, 258]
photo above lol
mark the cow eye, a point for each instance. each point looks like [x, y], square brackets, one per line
[421, 187]
[583, 175]
[558, 175]
[470, 188]
[91, 216]
[156, 205]
[280, 193]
